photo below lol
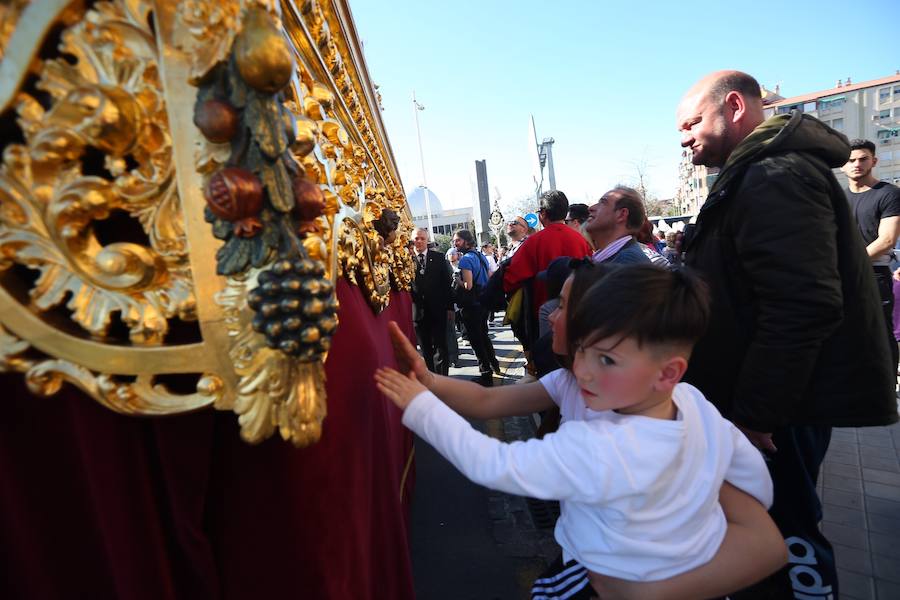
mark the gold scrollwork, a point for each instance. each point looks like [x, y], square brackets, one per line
[96, 154]
[340, 55]
[55, 195]
[141, 397]
[205, 31]
[362, 261]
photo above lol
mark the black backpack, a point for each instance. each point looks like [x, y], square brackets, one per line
[492, 297]
[468, 298]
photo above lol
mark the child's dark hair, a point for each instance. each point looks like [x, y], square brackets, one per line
[650, 304]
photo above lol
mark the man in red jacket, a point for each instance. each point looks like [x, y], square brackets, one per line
[554, 240]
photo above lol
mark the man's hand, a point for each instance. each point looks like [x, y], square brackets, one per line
[399, 388]
[897, 274]
[408, 360]
[753, 548]
[763, 441]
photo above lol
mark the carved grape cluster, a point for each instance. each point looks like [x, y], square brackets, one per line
[295, 308]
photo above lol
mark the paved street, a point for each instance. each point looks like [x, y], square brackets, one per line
[472, 543]
[860, 487]
[469, 543]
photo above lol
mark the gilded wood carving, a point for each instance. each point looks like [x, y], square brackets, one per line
[182, 184]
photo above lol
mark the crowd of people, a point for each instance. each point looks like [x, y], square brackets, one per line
[697, 377]
[618, 232]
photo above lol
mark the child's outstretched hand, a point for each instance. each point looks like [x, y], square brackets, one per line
[401, 389]
[407, 357]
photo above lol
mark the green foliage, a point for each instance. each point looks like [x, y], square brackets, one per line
[519, 208]
[443, 242]
[660, 208]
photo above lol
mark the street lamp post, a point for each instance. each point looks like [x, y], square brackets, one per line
[545, 153]
[416, 108]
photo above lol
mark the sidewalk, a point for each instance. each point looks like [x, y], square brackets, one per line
[859, 486]
[860, 489]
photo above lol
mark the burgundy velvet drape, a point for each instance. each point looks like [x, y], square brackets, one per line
[97, 505]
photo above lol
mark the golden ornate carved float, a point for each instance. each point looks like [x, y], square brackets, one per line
[181, 185]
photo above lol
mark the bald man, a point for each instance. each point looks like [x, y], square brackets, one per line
[796, 342]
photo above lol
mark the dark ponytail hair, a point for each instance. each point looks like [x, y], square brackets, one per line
[650, 304]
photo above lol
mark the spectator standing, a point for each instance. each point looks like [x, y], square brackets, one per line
[613, 221]
[517, 232]
[648, 243]
[796, 341]
[659, 240]
[488, 251]
[896, 314]
[554, 240]
[473, 274]
[545, 360]
[876, 206]
[671, 253]
[453, 259]
[578, 214]
[454, 323]
[433, 302]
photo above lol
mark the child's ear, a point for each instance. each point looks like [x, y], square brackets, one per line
[670, 372]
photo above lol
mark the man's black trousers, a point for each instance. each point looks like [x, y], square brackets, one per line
[810, 572]
[432, 334]
[475, 320]
[885, 282]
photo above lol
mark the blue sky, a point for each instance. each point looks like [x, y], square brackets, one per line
[602, 79]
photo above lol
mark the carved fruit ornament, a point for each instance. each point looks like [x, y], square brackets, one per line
[262, 54]
[217, 120]
[309, 204]
[236, 195]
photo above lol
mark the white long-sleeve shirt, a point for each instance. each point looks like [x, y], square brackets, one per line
[638, 495]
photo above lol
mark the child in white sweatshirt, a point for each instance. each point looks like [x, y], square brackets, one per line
[639, 459]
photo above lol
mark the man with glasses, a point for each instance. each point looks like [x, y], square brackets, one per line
[578, 214]
[517, 232]
[553, 241]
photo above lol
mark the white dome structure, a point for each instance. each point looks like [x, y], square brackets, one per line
[416, 201]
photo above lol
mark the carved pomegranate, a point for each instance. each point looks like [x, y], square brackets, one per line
[236, 195]
[309, 204]
[217, 120]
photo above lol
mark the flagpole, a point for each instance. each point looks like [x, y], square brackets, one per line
[416, 108]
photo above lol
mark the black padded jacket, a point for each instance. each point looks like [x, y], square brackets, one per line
[797, 334]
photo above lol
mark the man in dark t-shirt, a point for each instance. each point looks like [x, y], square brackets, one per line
[876, 206]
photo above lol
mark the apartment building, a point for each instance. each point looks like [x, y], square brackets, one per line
[694, 182]
[869, 110]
